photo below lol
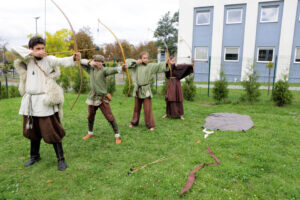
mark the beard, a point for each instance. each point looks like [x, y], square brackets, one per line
[38, 58]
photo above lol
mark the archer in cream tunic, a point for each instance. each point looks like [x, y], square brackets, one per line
[35, 81]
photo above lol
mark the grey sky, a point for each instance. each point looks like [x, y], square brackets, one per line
[132, 20]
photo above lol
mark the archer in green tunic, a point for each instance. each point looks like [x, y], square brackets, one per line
[98, 96]
[142, 89]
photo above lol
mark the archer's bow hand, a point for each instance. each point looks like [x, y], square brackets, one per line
[124, 67]
[77, 56]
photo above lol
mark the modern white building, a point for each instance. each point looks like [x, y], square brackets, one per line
[233, 34]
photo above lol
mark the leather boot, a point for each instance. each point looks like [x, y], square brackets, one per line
[34, 153]
[61, 165]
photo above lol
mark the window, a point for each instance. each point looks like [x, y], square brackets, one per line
[297, 55]
[234, 16]
[269, 14]
[232, 53]
[201, 53]
[265, 54]
[203, 18]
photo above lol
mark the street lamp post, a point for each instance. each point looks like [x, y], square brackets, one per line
[36, 18]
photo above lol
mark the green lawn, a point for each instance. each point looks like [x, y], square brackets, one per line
[262, 163]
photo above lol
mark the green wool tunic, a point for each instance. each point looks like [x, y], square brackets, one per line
[98, 81]
[144, 75]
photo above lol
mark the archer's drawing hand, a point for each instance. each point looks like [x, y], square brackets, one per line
[93, 63]
[139, 61]
[77, 56]
[39, 54]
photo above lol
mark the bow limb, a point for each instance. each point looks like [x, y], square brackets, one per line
[168, 56]
[185, 42]
[192, 57]
[75, 49]
[122, 52]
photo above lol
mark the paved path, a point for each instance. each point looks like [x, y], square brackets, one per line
[239, 87]
[120, 81]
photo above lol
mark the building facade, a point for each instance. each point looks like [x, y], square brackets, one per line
[237, 36]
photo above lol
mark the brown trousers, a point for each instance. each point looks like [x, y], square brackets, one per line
[49, 128]
[105, 109]
[148, 114]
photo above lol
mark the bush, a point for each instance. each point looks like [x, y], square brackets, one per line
[111, 84]
[220, 90]
[281, 94]
[13, 91]
[76, 83]
[65, 78]
[189, 88]
[126, 87]
[3, 93]
[251, 86]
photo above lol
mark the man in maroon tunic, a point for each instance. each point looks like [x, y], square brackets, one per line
[174, 96]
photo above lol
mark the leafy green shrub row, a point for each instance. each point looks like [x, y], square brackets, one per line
[11, 93]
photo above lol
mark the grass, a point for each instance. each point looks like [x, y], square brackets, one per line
[262, 163]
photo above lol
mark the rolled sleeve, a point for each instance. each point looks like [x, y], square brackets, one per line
[21, 52]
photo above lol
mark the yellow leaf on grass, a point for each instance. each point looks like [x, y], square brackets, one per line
[49, 181]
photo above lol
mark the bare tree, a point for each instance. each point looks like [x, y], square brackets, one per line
[3, 44]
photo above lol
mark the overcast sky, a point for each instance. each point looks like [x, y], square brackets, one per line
[132, 20]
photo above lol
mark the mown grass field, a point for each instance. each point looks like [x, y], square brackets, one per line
[262, 163]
